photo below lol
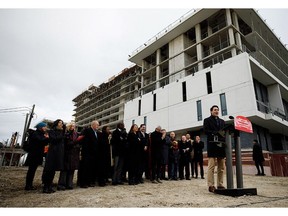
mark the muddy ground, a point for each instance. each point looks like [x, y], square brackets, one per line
[272, 192]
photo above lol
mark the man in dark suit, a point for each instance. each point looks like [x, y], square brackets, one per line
[119, 148]
[156, 146]
[90, 153]
[213, 126]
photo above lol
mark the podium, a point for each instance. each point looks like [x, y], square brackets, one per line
[240, 124]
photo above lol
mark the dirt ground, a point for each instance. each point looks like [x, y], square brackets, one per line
[272, 192]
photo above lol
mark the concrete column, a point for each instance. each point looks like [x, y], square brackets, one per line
[230, 32]
[199, 47]
[158, 59]
[237, 35]
[142, 78]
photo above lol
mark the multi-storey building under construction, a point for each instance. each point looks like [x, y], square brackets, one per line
[105, 103]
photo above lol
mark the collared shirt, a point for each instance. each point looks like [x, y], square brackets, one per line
[95, 134]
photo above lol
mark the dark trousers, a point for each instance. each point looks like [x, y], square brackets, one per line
[174, 171]
[88, 172]
[156, 168]
[193, 165]
[184, 164]
[201, 169]
[118, 166]
[66, 178]
[47, 178]
[30, 175]
[259, 164]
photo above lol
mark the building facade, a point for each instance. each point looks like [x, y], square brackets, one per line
[227, 57]
[105, 103]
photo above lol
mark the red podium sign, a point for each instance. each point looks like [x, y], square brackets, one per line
[242, 123]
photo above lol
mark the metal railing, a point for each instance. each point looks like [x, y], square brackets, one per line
[268, 108]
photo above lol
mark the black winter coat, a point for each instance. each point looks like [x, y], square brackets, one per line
[198, 151]
[90, 145]
[257, 153]
[119, 142]
[156, 145]
[184, 154]
[55, 156]
[166, 144]
[211, 128]
[134, 148]
[38, 142]
[105, 155]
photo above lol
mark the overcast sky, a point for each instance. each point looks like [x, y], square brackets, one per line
[49, 56]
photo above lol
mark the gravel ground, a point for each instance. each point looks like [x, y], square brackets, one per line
[272, 192]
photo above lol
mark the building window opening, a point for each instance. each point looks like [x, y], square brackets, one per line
[223, 104]
[184, 92]
[209, 82]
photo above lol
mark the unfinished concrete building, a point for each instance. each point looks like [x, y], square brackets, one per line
[105, 103]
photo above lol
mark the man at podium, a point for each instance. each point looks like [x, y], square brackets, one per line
[213, 128]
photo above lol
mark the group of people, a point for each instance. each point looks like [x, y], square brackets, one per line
[102, 155]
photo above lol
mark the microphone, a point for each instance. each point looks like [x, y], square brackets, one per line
[231, 117]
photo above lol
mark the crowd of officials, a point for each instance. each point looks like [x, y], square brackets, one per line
[128, 156]
[117, 157]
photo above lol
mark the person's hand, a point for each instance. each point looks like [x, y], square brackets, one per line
[221, 133]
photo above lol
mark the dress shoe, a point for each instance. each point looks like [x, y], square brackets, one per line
[91, 185]
[188, 178]
[83, 186]
[158, 180]
[48, 190]
[60, 187]
[211, 189]
[202, 177]
[69, 188]
[262, 174]
[102, 184]
[28, 188]
[154, 182]
[220, 188]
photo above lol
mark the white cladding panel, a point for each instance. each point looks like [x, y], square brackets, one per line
[232, 77]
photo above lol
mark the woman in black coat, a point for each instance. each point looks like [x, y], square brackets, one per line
[55, 156]
[134, 153]
[71, 158]
[38, 140]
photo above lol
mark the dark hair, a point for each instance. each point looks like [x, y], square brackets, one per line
[142, 125]
[213, 107]
[55, 123]
[256, 141]
[120, 125]
[131, 129]
[104, 129]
